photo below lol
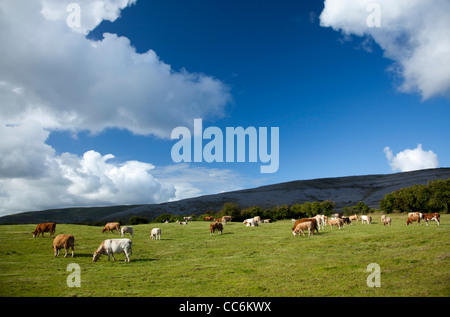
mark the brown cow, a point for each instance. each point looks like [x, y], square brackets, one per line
[215, 226]
[210, 218]
[413, 217]
[111, 226]
[434, 216]
[313, 224]
[45, 227]
[336, 222]
[63, 240]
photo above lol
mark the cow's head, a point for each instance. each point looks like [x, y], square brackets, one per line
[96, 256]
[34, 233]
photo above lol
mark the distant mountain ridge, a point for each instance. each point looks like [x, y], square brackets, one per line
[345, 191]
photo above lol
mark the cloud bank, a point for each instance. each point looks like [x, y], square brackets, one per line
[411, 160]
[413, 33]
[53, 78]
[53, 73]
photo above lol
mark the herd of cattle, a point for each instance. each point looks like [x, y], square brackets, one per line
[110, 246]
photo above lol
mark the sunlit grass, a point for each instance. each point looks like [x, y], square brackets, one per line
[244, 261]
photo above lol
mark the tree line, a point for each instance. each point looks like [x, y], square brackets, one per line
[432, 197]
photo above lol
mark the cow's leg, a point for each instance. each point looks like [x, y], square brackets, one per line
[65, 253]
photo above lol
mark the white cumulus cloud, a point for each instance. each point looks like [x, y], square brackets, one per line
[411, 160]
[52, 72]
[413, 33]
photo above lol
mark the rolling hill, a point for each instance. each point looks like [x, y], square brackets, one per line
[345, 191]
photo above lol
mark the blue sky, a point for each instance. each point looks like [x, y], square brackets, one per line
[339, 95]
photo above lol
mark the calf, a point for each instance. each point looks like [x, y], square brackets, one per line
[307, 225]
[155, 233]
[354, 217]
[111, 226]
[111, 246]
[387, 221]
[127, 230]
[313, 224]
[45, 227]
[413, 217]
[215, 226]
[434, 216]
[63, 240]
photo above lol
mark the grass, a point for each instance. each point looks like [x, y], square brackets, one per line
[243, 262]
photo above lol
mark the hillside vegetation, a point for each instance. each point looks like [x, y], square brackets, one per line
[245, 261]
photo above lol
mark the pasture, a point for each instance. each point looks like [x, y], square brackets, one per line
[263, 261]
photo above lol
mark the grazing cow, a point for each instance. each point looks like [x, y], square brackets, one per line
[208, 218]
[227, 218]
[367, 219]
[218, 220]
[111, 226]
[336, 222]
[45, 227]
[215, 226]
[187, 218]
[313, 224]
[387, 221]
[353, 217]
[127, 230]
[111, 246]
[307, 225]
[434, 216]
[413, 217]
[156, 233]
[63, 240]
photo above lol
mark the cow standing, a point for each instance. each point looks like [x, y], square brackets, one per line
[45, 227]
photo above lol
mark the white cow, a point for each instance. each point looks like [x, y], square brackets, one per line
[129, 230]
[367, 219]
[156, 233]
[111, 246]
[250, 222]
[320, 221]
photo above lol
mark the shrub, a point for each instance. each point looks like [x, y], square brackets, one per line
[135, 220]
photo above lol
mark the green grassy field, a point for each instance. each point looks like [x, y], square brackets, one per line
[243, 262]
